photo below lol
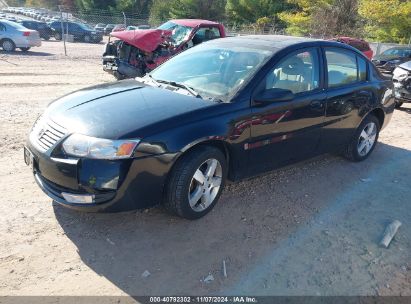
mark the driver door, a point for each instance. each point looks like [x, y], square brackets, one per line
[287, 131]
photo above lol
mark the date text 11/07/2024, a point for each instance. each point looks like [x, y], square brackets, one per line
[221, 299]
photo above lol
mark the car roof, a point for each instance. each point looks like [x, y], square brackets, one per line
[194, 22]
[265, 41]
[278, 42]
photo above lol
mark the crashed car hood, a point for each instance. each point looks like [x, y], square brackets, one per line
[386, 57]
[406, 65]
[120, 110]
[146, 40]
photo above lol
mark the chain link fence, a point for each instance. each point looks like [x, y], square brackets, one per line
[124, 19]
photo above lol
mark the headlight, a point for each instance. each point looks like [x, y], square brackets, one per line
[396, 61]
[98, 148]
[400, 73]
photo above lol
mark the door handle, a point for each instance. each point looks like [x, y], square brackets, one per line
[317, 104]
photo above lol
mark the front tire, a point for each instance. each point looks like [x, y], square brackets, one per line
[25, 49]
[57, 36]
[8, 45]
[87, 39]
[196, 182]
[364, 140]
[398, 104]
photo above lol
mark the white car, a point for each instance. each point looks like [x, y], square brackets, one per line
[14, 35]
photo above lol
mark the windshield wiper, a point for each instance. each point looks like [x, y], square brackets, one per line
[178, 85]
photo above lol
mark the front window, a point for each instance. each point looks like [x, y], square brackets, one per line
[299, 72]
[179, 34]
[212, 70]
[398, 52]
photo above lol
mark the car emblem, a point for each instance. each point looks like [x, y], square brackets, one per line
[41, 133]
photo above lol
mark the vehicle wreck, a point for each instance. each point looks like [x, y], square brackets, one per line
[402, 84]
[137, 52]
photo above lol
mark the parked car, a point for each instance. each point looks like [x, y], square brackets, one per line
[14, 35]
[100, 27]
[136, 53]
[44, 30]
[359, 44]
[173, 136]
[131, 28]
[108, 29]
[388, 60]
[80, 31]
[119, 28]
[402, 84]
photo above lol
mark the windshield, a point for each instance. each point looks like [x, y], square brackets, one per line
[179, 32]
[211, 70]
[400, 52]
[85, 26]
[15, 25]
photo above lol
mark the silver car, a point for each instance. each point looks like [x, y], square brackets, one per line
[14, 35]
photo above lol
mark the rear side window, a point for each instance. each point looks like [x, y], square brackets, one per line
[341, 67]
[362, 69]
[2, 28]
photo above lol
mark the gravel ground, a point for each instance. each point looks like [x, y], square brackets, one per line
[308, 229]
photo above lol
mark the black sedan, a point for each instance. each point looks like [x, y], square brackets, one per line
[388, 60]
[80, 31]
[226, 109]
[44, 30]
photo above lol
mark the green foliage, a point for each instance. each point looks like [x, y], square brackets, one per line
[196, 9]
[388, 20]
[160, 11]
[201, 9]
[248, 11]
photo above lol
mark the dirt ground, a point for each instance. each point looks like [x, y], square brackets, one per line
[309, 229]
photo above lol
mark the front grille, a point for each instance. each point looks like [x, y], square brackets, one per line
[47, 133]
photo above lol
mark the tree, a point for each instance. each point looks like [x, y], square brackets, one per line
[387, 20]
[160, 11]
[323, 18]
[201, 9]
[248, 11]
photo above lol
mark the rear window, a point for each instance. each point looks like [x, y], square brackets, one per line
[341, 67]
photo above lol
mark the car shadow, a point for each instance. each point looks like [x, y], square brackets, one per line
[255, 226]
[28, 53]
[404, 109]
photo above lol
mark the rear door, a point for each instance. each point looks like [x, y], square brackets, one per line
[284, 132]
[2, 31]
[348, 91]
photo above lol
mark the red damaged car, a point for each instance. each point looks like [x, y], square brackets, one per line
[137, 52]
[360, 44]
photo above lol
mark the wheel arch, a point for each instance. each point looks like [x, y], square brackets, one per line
[379, 113]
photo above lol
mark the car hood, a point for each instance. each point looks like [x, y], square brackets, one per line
[120, 109]
[406, 65]
[146, 40]
[387, 57]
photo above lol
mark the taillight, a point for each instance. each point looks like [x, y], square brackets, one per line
[26, 34]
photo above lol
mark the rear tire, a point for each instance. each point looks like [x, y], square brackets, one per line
[57, 36]
[398, 104]
[8, 45]
[196, 182]
[87, 39]
[25, 49]
[364, 140]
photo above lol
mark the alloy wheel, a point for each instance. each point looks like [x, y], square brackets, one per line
[367, 139]
[8, 46]
[205, 185]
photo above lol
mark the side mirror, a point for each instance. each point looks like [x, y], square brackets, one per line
[273, 95]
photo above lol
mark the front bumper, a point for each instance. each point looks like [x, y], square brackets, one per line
[402, 91]
[114, 65]
[114, 185]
